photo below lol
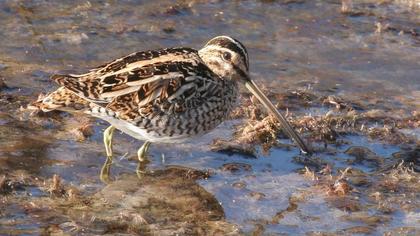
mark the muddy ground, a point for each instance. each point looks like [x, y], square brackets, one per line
[346, 74]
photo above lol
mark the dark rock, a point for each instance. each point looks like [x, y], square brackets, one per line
[235, 167]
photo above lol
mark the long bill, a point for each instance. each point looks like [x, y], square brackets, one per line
[251, 86]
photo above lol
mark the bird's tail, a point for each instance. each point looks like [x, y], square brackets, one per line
[61, 99]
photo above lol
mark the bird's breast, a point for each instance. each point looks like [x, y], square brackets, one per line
[193, 121]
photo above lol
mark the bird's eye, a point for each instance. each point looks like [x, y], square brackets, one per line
[227, 56]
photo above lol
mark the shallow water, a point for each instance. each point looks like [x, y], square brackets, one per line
[293, 45]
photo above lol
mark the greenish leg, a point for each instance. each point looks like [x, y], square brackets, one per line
[108, 140]
[142, 156]
[142, 152]
[108, 133]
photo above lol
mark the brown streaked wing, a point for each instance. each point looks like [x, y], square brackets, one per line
[169, 96]
[125, 106]
[121, 63]
[102, 85]
[137, 85]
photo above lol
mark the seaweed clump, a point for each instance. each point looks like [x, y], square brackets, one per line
[343, 117]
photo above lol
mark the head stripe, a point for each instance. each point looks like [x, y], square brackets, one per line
[231, 44]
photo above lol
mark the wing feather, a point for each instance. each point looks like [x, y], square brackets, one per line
[168, 76]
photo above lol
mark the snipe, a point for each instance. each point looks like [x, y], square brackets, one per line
[164, 96]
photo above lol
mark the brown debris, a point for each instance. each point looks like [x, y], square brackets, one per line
[364, 154]
[337, 190]
[408, 158]
[340, 187]
[84, 131]
[176, 9]
[16, 181]
[260, 128]
[341, 104]
[56, 189]
[2, 84]
[263, 132]
[365, 217]
[382, 27]
[314, 161]
[292, 207]
[376, 196]
[358, 178]
[296, 99]
[187, 173]
[3, 184]
[385, 208]
[327, 129]
[309, 174]
[411, 122]
[236, 166]
[347, 8]
[357, 230]
[327, 170]
[246, 109]
[232, 147]
[395, 188]
[390, 134]
[259, 229]
[403, 231]
[345, 203]
[348, 117]
[239, 185]
[257, 195]
[73, 194]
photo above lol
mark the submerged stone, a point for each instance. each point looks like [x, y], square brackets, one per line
[165, 202]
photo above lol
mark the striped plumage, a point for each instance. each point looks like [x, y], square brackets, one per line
[166, 95]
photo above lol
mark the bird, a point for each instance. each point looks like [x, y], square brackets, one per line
[167, 95]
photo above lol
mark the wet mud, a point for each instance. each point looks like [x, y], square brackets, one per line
[345, 74]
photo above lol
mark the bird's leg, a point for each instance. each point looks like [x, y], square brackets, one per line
[142, 156]
[108, 140]
[108, 133]
[142, 152]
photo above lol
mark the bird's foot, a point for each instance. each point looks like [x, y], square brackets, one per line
[108, 133]
[143, 161]
[104, 175]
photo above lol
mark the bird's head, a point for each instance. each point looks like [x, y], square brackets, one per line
[226, 57]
